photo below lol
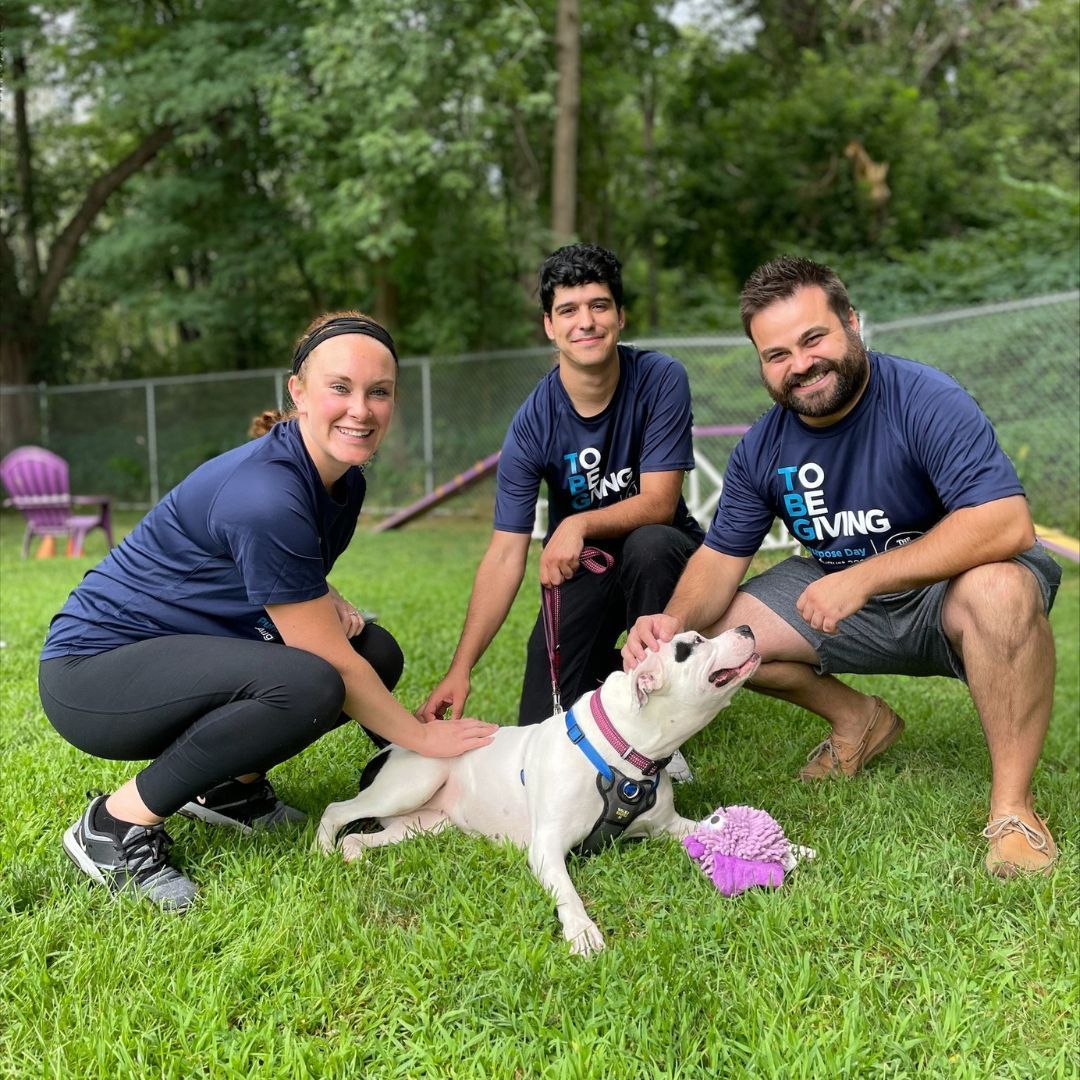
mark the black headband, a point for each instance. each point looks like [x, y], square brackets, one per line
[348, 324]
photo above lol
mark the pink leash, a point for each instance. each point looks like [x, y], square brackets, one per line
[597, 562]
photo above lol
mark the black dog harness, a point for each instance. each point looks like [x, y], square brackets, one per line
[624, 798]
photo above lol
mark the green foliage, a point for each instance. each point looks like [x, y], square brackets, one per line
[1018, 82]
[932, 91]
[1030, 254]
[397, 157]
[892, 954]
[410, 115]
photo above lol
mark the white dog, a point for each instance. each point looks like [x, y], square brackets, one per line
[580, 778]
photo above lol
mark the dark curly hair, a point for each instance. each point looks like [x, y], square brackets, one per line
[580, 264]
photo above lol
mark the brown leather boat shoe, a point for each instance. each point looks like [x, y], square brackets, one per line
[1018, 848]
[836, 757]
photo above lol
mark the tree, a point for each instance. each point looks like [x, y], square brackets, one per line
[100, 91]
[32, 273]
[415, 126]
[780, 145]
[190, 180]
[624, 178]
[567, 104]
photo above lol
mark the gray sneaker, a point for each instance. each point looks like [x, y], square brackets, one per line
[137, 862]
[243, 806]
[678, 769]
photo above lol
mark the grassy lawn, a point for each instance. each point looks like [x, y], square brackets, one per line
[893, 954]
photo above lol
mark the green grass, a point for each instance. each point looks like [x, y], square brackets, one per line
[893, 954]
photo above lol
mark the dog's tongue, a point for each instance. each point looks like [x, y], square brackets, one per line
[722, 676]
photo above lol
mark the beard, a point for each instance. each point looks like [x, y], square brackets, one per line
[851, 370]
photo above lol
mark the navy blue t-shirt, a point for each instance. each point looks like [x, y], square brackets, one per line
[254, 526]
[915, 448]
[596, 461]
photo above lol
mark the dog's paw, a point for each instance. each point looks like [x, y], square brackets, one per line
[587, 941]
[324, 841]
[352, 847]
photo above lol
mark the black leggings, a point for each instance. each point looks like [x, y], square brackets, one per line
[204, 708]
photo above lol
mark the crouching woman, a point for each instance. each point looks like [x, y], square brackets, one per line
[210, 641]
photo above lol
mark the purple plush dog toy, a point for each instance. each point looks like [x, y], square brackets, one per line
[739, 847]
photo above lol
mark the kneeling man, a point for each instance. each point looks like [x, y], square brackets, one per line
[609, 432]
[922, 554]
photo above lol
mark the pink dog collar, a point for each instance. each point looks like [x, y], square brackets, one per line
[647, 766]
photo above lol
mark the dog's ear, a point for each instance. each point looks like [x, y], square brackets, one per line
[645, 678]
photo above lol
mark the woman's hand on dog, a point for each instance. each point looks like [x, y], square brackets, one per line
[449, 738]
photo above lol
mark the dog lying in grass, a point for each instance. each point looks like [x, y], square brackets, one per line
[577, 781]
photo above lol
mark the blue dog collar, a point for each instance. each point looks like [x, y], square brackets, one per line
[577, 737]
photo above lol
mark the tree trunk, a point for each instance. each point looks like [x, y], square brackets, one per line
[25, 170]
[19, 420]
[567, 104]
[25, 311]
[386, 296]
[18, 332]
[64, 247]
[648, 146]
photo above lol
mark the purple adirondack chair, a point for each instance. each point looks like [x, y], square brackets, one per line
[37, 481]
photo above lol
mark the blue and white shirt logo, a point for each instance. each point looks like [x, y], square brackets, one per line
[813, 521]
[584, 484]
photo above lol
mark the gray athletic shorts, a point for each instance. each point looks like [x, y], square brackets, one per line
[894, 634]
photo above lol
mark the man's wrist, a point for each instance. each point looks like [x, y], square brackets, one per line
[460, 667]
[576, 525]
[864, 576]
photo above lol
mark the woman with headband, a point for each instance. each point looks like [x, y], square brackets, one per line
[210, 641]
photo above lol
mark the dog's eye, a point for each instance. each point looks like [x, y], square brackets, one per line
[684, 648]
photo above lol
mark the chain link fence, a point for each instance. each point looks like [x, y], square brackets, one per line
[134, 440]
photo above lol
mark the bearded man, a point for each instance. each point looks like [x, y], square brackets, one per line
[922, 557]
